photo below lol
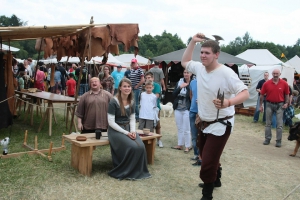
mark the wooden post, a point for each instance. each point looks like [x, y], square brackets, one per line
[35, 143]
[50, 151]
[88, 41]
[36, 66]
[63, 141]
[25, 138]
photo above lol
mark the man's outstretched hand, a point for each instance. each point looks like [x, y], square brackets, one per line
[199, 37]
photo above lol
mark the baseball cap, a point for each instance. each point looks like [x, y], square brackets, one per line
[134, 60]
[119, 66]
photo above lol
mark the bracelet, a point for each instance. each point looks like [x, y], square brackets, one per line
[229, 104]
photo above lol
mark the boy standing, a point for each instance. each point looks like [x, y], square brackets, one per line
[148, 106]
[71, 85]
[157, 91]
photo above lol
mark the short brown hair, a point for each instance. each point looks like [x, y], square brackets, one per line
[149, 74]
[213, 45]
[29, 59]
[149, 83]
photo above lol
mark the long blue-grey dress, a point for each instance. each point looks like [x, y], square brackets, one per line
[129, 156]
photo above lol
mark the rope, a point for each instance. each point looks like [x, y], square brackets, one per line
[291, 192]
[7, 99]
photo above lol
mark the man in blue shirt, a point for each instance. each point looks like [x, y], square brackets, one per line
[117, 76]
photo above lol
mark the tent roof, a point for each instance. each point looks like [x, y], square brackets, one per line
[111, 60]
[33, 32]
[126, 58]
[7, 48]
[259, 57]
[295, 63]
[176, 56]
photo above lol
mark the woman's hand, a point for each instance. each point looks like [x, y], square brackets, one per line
[132, 135]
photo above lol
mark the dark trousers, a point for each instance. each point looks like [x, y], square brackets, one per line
[211, 148]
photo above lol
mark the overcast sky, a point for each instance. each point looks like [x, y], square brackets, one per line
[276, 21]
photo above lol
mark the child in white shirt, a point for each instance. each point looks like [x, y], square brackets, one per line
[148, 103]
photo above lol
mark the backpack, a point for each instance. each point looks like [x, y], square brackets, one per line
[84, 73]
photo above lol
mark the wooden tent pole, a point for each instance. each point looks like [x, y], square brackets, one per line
[87, 45]
[36, 66]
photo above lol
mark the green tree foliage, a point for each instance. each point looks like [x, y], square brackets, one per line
[26, 46]
[241, 44]
[11, 21]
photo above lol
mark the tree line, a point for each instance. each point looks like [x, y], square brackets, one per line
[151, 46]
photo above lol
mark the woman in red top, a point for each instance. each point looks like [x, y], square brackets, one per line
[40, 77]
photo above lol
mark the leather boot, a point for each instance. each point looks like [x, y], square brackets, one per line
[217, 182]
[207, 191]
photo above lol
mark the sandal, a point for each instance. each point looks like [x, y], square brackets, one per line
[177, 148]
[188, 150]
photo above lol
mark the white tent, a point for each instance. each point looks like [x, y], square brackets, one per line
[126, 59]
[111, 59]
[7, 48]
[295, 63]
[265, 61]
[259, 57]
[257, 74]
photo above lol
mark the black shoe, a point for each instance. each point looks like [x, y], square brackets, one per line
[195, 158]
[217, 183]
[197, 163]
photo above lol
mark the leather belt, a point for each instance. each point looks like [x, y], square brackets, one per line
[205, 124]
[275, 102]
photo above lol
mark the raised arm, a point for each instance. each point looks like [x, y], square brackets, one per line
[188, 53]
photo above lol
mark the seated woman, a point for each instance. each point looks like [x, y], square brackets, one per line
[127, 149]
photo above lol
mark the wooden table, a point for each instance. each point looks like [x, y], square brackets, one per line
[82, 151]
[51, 98]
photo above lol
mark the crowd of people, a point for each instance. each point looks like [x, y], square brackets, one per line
[204, 121]
[204, 102]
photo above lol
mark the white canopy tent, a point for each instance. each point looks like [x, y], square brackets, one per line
[260, 57]
[265, 62]
[295, 63]
[7, 48]
[111, 60]
[126, 59]
[257, 73]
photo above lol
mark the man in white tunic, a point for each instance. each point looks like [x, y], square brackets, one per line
[213, 134]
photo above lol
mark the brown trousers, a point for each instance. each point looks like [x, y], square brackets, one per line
[211, 148]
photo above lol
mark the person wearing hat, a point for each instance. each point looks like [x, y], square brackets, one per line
[117, 76]
[137, 79]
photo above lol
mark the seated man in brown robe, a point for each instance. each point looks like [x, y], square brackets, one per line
[92, 108]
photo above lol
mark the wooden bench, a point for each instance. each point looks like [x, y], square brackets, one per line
[82, 151]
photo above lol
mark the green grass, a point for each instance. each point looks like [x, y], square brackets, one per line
[34, 177]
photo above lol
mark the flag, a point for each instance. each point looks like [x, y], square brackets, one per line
[282, 55]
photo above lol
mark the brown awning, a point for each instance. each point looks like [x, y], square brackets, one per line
[34, 32]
